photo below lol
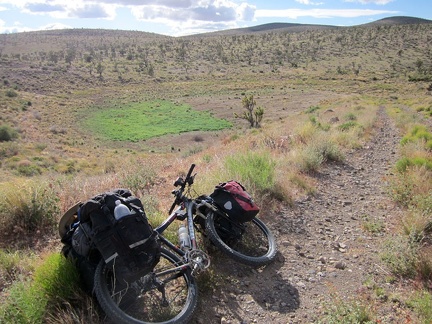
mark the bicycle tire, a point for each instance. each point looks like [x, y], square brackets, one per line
[127, 305]
[250, 243]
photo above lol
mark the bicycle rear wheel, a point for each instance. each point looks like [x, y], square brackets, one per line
[159, 297]
[250, 243]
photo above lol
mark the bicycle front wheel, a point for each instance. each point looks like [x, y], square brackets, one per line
[250, 243]
[162, 296]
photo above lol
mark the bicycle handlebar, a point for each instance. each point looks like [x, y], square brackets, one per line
[188, 176]
[179, 182]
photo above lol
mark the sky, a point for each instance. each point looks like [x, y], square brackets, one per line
[186, 17]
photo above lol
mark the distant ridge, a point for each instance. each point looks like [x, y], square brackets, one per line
[399, 20]
[265, 28]
[293, 27]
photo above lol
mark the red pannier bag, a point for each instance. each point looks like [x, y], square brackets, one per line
[234, 200]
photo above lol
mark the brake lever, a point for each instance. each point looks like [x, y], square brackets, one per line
[191, 179]
[179, 182]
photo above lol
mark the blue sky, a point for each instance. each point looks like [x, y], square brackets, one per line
[184, 17]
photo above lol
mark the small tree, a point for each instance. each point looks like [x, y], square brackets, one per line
[253, 115]
[99, 69]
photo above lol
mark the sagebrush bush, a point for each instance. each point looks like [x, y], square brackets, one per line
[416, 224]
[399, 253]
[317, 152]
[7, 133]
[412, 188]
[139, 180]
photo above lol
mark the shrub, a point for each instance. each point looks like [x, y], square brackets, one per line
[348, 125]
[418, 133]
[15, 265]
[7, 133]
[11, 93]
[307, 132]
[255, 170]
[139, 180]
[8, 150]
[348, 312]
[318, 152]
[350, 116]
[399, 253]
[413, 189]
[312, 109]
[29, 206]
[421, 302]
[27, 168]
[403, 164]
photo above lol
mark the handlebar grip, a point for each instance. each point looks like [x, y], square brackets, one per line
[190, 172]
[172, 208]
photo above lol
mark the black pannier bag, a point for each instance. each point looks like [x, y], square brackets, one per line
[129, 243]
[234, 200]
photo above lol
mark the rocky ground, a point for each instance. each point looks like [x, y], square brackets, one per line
[328, 249]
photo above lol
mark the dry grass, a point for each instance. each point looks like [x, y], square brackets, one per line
[318, 104]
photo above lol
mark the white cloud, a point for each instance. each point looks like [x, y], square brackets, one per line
[195, 16]
[308, 2]
[173, 10]
[377, 2]
[197, 10]
[320, 13]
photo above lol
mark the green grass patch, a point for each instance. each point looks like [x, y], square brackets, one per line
[421, 302]
[347, 125]
[257, 172]
[54, 281]
[144, 120]
[312, 109]
[418, 133]
[403, 164]
[372, 226]
[348, 312]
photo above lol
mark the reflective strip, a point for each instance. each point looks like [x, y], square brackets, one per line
[112, 257]
[138, 243]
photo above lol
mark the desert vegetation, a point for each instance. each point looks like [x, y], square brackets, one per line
[85, 111]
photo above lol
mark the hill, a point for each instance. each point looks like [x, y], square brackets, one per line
[294, 28]
[399, 20]
[265, 28]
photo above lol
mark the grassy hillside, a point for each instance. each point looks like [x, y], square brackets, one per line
[62, 93]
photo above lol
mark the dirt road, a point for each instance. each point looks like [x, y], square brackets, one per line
[328, 248]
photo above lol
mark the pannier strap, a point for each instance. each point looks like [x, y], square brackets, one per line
[112, 257]
[151, 237]
[138, 243]
[248, 200]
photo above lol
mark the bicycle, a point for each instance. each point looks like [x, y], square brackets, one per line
[169, 293]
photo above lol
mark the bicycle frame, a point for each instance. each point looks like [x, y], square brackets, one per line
[194, 258]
